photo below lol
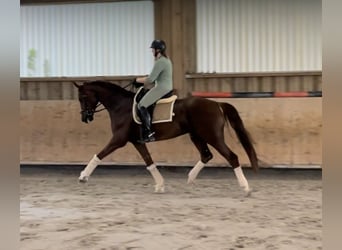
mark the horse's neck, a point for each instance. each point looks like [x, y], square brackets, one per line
[112, 101]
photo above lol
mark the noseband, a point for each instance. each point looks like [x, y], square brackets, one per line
[90, 112]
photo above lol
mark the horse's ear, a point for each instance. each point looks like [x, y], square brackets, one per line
[76, 85]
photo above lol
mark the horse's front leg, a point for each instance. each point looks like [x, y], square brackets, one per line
[158, 178]
[114, 144]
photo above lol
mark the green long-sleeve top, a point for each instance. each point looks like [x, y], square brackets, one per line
[161, 73]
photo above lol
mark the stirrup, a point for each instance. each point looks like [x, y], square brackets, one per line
[148, 138]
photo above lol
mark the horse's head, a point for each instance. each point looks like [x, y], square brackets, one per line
[88, 100]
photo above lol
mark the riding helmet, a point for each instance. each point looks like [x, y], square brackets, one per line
[158, 44]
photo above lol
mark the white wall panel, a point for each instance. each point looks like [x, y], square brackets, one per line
[258, 35]
[89, 39]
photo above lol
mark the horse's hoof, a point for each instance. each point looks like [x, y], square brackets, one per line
[159, 189]
[191, 178]
[191, 181]
[248, 192]
[83, 179]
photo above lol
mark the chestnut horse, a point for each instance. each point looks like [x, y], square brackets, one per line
[202, 119]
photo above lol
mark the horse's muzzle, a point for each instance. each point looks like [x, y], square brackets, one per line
[87, 116]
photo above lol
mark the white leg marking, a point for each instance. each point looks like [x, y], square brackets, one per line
[194, 171]
[242, 179]
[158, 178]
[84, 176]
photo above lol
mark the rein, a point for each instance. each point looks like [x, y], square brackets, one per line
[129, 84]
[95, 111]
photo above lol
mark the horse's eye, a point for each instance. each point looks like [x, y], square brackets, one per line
[82, 97]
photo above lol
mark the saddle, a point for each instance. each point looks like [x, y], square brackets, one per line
[161, 111]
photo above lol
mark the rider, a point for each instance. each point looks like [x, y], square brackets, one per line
[161, 76]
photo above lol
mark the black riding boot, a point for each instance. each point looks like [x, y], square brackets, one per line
[147, 135]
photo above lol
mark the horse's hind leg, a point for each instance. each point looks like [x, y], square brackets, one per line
[158, 178]
[206, 156]
[233, 160]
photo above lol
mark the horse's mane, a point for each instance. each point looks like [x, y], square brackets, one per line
[110, 87]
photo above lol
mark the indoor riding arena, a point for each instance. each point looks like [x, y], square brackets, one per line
[261, 56]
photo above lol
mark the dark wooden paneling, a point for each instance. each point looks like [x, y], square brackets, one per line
[175, 22]
[40, 2]
[189, 35]
[239, 82]
[61, 88]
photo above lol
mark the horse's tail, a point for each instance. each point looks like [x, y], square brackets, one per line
[232, 115]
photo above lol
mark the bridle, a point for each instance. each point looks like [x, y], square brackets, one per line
[97, 105]
[89, 112]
